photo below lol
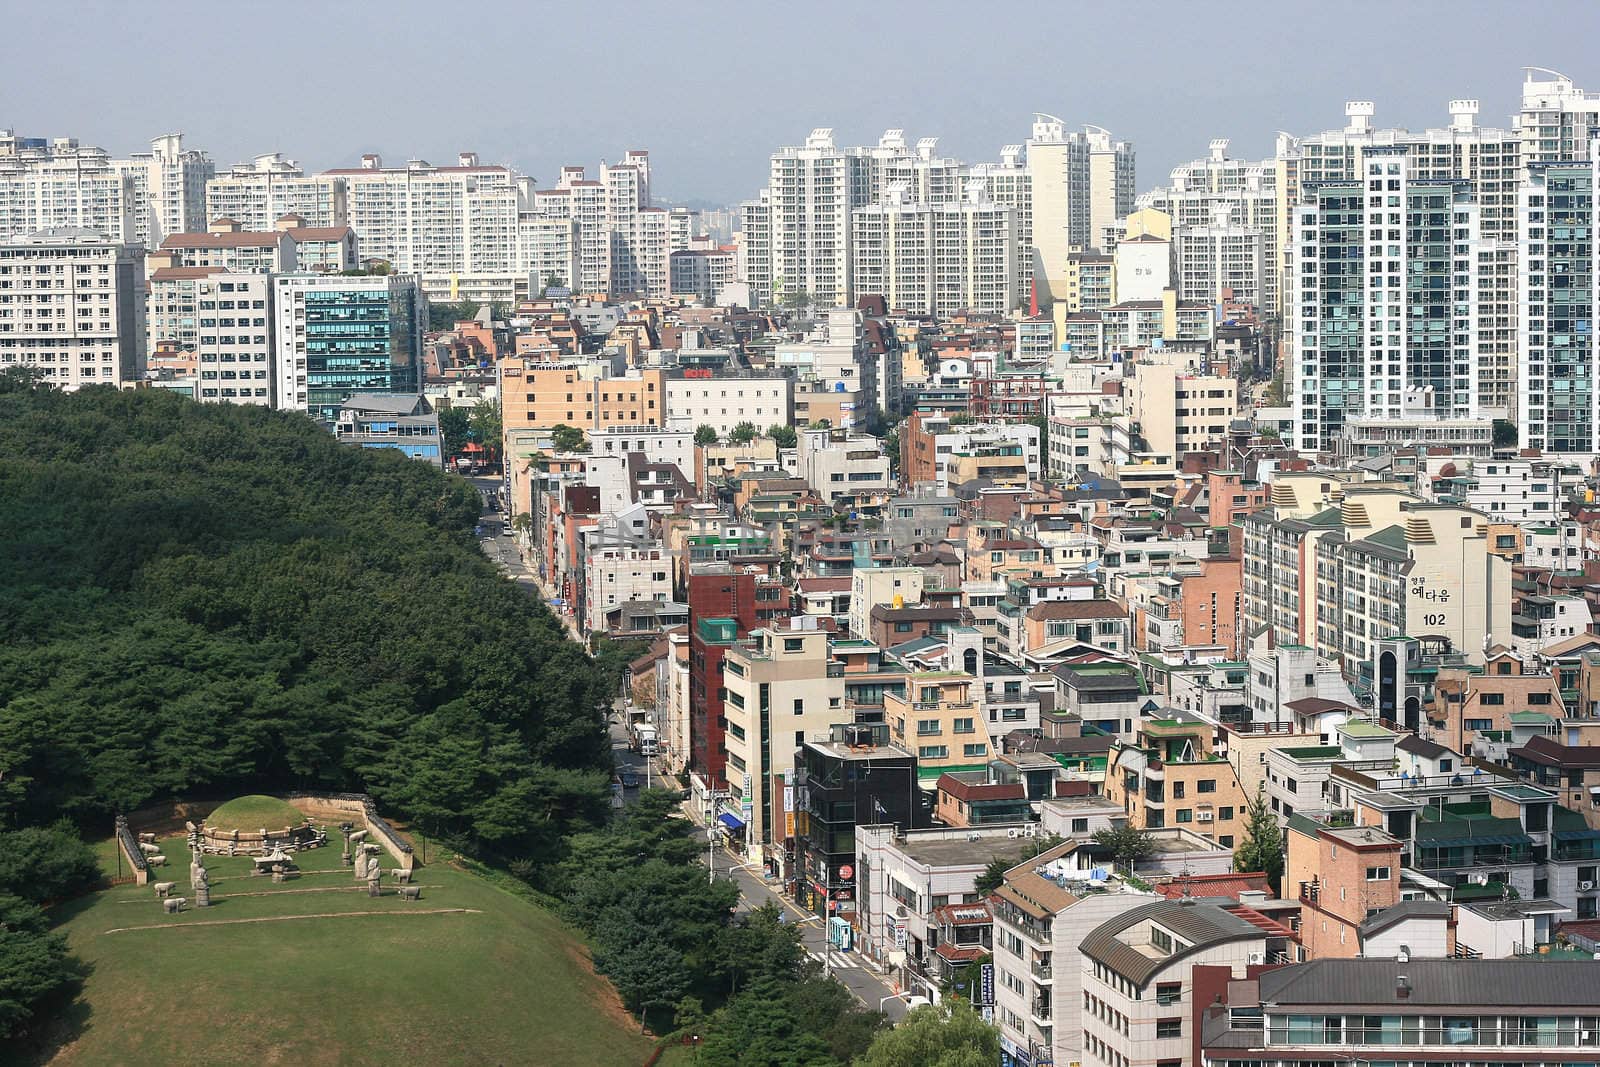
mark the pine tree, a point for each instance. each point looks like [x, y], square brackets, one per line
[1262, 847]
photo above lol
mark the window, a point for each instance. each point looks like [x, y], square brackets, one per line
[1492, 699]
[978, 750]
[793, 644]
[799, 706]
[963, 726]
[1168, 992]
[1185, 815]
[1225, 841]
[1169, 1028]
[1207, 785]
[1225, 813]
[1377, 874]
[932, 752]
[1080, 826]
[928, 727]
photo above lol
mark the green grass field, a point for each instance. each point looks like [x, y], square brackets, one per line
[469, 974]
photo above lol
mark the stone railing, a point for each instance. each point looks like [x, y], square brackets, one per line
[129, 846]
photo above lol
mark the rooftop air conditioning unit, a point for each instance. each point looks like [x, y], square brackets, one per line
[1012, 833]
[1202, 816]
[1031, 831]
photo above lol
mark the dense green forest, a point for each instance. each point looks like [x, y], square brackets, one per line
[217, 599]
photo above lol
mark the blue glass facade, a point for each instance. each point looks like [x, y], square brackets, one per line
[359, 340]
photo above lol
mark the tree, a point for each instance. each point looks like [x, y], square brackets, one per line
[564, 438]
[1505, 434]
[41, 864]
[951, 1034]
[963, 982]
[486, 425]
[1043, 426]
[34, 966]
[455, 426]
[994, 874]
[743, 433]
[820, 424]
[705, 435]
[783, 436]
[1127, 844]
[647, 969]
[1262, 846]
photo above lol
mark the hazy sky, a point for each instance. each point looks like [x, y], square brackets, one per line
[711, 88]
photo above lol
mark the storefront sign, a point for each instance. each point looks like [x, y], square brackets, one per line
[986, 983]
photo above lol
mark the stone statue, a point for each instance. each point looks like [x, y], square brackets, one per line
[374, 879]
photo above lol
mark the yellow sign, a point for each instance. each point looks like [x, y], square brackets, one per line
[788, 824]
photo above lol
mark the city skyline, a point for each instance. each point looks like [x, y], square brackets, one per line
[709, 134]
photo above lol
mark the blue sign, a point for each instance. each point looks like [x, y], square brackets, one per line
[986, 983]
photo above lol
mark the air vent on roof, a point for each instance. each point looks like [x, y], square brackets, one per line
[1283, 496]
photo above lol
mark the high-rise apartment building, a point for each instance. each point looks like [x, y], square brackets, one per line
[1488, 162]
[811, 191]
[1385, 297]
[437, 222]
[1557, 395]
[935, 258]
[169, 188]
[337, 336]
[623, 242]
[65, 185]
[72, 306]
[1558, 121]
[256, 194]
[1224, 218]
[1009, 184]
[1080, 184]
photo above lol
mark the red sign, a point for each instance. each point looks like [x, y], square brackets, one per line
[697, 372]
[847, 872]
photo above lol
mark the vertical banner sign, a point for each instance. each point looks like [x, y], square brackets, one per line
[986, 984]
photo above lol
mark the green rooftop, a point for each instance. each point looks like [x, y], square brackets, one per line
[1312, 752]
[1363, 728]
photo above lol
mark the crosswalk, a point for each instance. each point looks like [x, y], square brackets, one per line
[836, 961]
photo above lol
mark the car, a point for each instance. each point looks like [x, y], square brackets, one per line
[630, 778]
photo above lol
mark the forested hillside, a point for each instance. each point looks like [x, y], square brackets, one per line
[215, 598]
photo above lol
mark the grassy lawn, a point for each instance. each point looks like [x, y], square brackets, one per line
[500, 982]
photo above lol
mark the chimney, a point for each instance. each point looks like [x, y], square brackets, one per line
[1402, 987]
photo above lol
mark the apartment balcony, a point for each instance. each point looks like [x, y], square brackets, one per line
[1043, 973]
[1039, 1010]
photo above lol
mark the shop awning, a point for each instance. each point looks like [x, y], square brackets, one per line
[732, 822]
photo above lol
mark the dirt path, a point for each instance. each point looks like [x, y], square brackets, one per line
[284, 892]
[291, 918]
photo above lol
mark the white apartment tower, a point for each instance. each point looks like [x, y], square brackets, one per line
[73, 307]
[623, 242]
[258, 193]
[1221, 209]
[1387, 299]
[936, 259]
[1558, 120]
[169, 189]
[65, 185]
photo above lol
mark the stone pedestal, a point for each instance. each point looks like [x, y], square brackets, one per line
[202, 896]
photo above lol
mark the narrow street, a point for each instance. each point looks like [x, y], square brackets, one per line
[863, 982]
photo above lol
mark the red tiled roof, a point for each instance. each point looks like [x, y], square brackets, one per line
[1214, 885]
